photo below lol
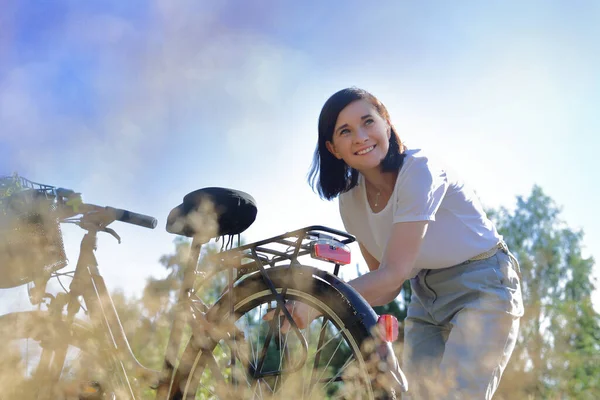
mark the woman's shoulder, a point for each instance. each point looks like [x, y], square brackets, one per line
[425, 167]
[416, 156]
[419, 162]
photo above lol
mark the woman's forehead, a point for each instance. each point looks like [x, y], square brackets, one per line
[356, 110]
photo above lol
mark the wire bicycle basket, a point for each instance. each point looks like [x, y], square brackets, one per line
[31, 244]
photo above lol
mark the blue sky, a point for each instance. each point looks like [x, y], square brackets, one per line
[137, 103]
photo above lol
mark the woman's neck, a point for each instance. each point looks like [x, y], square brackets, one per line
[382, 182]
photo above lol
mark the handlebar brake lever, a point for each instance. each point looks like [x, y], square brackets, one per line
[113, 234]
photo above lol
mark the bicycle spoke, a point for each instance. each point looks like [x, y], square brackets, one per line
[275, 384]
[250, 342]
[260, 389]
[331, 339]
[346, 364]
[283, 349]
[325, 369]
[318, 353]
[281, 352]
[269, 386]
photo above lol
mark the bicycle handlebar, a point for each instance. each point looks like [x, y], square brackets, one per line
[118, 214]
[131, 217]
[109, 214]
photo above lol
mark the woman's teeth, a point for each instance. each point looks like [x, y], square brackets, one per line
[365, 151]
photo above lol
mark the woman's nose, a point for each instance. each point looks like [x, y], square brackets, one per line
[360, 136]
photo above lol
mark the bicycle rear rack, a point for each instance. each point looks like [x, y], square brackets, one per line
[287, 247]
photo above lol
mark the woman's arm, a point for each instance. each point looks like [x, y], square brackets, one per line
[371, 261]
[382, 285]
[373, 265]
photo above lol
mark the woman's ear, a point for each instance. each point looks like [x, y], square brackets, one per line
[331, 149]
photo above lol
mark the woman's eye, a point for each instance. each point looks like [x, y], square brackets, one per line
[369, 121]
[344, 131]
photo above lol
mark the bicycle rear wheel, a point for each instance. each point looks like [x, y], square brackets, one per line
[337, 363]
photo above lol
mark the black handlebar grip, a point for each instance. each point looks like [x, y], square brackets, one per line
[134, 218]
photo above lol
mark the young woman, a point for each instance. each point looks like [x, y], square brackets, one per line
[414, 220]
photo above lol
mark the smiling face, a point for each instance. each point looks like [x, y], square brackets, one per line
[360, 137]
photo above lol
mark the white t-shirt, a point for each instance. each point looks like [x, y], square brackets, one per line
[458, 227]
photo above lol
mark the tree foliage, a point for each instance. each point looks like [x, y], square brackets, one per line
[558, 351]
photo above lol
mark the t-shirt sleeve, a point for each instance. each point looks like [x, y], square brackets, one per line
[420, 193]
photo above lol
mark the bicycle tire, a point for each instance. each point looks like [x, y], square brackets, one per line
[303, 284]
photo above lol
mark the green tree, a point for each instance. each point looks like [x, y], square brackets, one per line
[160, 294]
[558, 351]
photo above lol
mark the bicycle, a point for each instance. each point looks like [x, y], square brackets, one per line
[221, 350]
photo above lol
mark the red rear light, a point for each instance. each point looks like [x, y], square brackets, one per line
[388, 327]
[331, 250]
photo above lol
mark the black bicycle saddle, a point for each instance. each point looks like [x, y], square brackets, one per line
[213, 212]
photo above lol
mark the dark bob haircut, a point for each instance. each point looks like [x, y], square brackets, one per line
[330, 176]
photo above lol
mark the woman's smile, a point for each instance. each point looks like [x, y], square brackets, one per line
[365, 151]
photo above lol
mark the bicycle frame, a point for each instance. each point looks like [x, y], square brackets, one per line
[89, 284]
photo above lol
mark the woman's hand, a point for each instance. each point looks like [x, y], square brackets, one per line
[302, 314]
